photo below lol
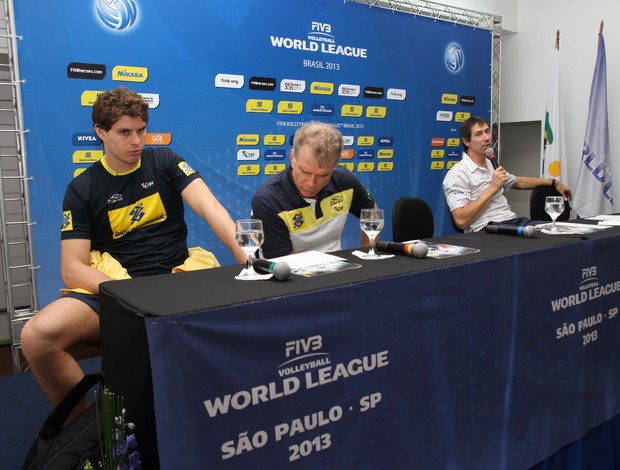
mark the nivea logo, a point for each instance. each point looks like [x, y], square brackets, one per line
[85, 139]
[118, 15]
[454, 58]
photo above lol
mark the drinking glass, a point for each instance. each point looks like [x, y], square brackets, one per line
[371, 222]
[249, 236]
[554, 206]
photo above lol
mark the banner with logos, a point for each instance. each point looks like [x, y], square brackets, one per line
[499, 383]
[229, 82]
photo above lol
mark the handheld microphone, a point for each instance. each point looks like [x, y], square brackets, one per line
[490, 153]
[417, 250]
[526, 231]
[281, 271]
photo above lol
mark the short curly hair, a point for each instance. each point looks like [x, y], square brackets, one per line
[111, 105]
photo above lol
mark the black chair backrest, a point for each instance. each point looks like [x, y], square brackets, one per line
[412, 219]
[454, 226]
[537, 204]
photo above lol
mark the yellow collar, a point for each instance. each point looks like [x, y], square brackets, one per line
[114, 173]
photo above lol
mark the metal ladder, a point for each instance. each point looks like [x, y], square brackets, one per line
[16, 250]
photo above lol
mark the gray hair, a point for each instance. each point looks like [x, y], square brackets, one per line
[324, 141]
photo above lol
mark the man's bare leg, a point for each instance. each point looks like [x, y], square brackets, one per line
[47, 336]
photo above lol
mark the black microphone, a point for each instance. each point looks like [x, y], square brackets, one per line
[526, 231]
[281, 271]
[417, 250]
[491, 156]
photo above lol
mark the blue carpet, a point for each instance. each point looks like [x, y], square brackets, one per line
[23, 409]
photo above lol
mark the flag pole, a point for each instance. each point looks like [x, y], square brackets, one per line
[553, 155]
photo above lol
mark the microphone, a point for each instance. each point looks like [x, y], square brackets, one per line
[490, 153]
[417, 250]
[526, 231]
[281, 271]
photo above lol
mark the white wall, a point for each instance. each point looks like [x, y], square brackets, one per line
[526, 69]
[507, 9]
[526, 66]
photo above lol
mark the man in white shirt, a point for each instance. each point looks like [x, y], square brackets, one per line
[475, 191]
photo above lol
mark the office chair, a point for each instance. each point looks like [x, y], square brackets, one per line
[537, 204]
[412, 219]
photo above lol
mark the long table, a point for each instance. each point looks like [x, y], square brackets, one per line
[495, 359]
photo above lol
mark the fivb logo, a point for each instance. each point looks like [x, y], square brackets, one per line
[303, 346]
[322, 31]
[118, 15]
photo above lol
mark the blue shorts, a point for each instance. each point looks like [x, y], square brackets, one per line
[91, 300]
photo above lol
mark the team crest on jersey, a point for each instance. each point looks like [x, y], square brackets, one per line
[137, 213]
[185, 168]
[298, 220]
[142, 213]
[67, 222]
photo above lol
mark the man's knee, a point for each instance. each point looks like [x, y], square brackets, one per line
[27, 340]
[34, 340]
[60, 325]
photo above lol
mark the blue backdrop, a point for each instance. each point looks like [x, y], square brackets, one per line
[229, 81]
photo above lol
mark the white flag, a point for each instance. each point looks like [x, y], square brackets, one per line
[593, 190]
[554, 158]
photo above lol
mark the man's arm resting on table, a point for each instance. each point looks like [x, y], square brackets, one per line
[75, 266]
[529, 182]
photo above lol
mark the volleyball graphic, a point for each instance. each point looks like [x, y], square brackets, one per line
[118, 15]
[455, 58]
